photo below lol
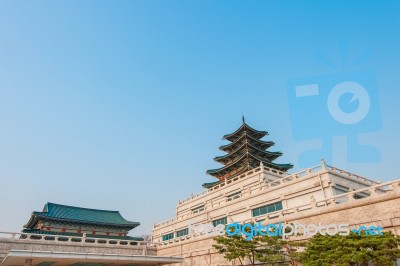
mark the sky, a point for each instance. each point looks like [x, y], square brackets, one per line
[122, 105]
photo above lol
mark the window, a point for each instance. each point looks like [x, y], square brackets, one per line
[340, 189]
[234, 196]
[361, 195]
[267, 208]
[182, 232]
[167, 236]
[198, 209]
[220, 221]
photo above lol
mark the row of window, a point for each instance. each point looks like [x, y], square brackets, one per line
[256, 212]
[182, 232]
[230, 197]
[167, 236]
[198, 209]
[277, 206]
[339, 189]
[220, 221]
[185, 231]
[234, 196]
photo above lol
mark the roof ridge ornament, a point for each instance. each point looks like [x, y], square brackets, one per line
[323, 164]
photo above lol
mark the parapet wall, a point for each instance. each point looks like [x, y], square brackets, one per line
[34, 242]
[381, 208]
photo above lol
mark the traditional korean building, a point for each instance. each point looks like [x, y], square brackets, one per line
[61, 235]
[57, 219]
[252, 187]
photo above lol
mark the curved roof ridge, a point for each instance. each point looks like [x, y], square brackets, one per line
[226, 166]
[276, 153]
[254, 157]
[244, 125]
[82, 208]
[247, 136]
[289, 165]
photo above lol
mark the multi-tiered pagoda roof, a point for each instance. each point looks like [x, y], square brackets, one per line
[245, 152]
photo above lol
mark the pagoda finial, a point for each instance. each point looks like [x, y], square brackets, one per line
[243, 119]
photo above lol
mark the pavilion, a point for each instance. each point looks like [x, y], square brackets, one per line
[68, 235]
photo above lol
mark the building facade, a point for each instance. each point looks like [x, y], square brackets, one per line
[250, 187]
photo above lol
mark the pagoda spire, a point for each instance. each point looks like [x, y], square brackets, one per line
[245, 152]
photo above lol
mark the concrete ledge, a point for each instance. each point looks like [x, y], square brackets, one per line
[31, 258]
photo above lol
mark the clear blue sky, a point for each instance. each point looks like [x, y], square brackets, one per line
[122, 104]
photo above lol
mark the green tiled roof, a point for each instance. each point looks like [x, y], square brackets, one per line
[211, 184]
[81, 215]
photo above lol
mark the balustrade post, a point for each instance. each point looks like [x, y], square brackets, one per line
[373, 192]
[351, 197]
[396, 186]
[144, 249]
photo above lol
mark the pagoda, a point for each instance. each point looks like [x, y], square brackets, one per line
[245, 151]
[57, 219]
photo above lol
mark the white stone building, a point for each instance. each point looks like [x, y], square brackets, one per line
[251, 188]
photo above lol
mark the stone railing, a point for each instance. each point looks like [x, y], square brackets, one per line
[305, 172]
[351, 176]
[205, 192]
[292, 177]
[170, 221]
[234, 179]
[284, 178]
[75, 239]
[193, 196]
[58, 243]
[373, 192]
[274, 171]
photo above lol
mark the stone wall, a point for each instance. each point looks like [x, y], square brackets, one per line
[255, 190]
[379, 209]
[14, 243]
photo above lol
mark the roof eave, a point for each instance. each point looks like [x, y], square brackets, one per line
[32, 221]
[128, 224]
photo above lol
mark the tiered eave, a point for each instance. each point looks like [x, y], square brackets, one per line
[245, 152]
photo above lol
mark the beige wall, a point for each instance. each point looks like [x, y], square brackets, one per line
[307, 197]
[257, 190]
[382, 210]
[15, 243]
